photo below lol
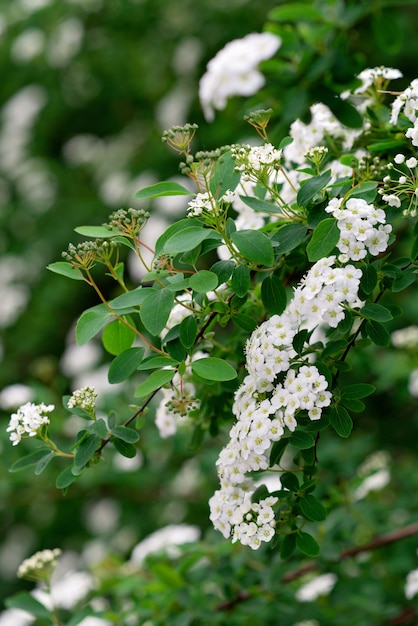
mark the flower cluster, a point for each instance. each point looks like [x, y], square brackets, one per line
[407, 103]
[28, 420]
[84, 398]
[401, 183]
[39, 566]
[362, 228]
[233, 70]
[256, 162]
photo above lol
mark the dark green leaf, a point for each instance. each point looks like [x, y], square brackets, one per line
[408, 278]
[244, 321]
[353, 405]
[240, 281]
[261, 206]
[273, 295]
[65, 478]
[366, 191]
[324, 239]
[288, 546]
[156, 309]
[312, 508]
[306, 544]
[224, 177]
[254, 246]
[311, 187]
[99, 428]
[301, 440]
[357, 390]
[125, 364]
[188, 331]
[86, 450]
[277, 450]
[166, 188]
[42, 463]
[369, 278]
[377, 333]
[131, 298]
[213, 368]
[129, 435]
[124, 448]
[289, 237]
[175, 228]
[299, 340]
[289, 481]
[376, 312]
[341, 421]
[29, 460]
[223, 270]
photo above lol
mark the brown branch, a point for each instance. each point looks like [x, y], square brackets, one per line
[378, 542]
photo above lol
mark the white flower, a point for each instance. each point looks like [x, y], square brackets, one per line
[166, 539]
[411, 584]
[319, 586]
[27, 421]
[232, 71]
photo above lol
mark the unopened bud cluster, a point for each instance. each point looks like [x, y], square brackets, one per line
[84, 398]
[130, 221]
[179, 138]
[40, 566]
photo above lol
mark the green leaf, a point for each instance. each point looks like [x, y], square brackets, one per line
[187, 239]
[341, 421]
[156, 309]
[224, 177]
[368, 280]
[345, 112]
[353, 405]
[377, 333]
[366, 191]
[254, 246]
[301, 440]
[165, 188]
[65, 269]
[154, 381]
[311, 187]
[26, 602]
[29, 460]
[223, 270]
[157, 361]
[289, 237]
[117, 337]
[376, 312]
[213, 368]
[125, 364]
[96, 232]
[124, 448]
[203, 281]
[42, 463]
[277, 450]
[65, 478]
[324, 239]
[289, 481]
[247, 322]
[131, 298]
[188, 331]
[129, 435]
[312, 508]
[91, 322]
[296, 12]
[306, 544]
[288, 546]
[408, 278]
[240, 281]
[357, 390]
[86, 450]
[261, 206]
[273, 295]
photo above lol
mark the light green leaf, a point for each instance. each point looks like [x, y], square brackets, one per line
[187, 239]
[166, 188]
[125, 364]
[154, 381]
[29, 460]
[224, 177]
[65, 269]
[42, 463]
[324, 239]
[85, 451]
[129, 435]
[213, 368]
[156, 361]
[131, 298]
[26, 602]
[254, 246]
[261, 206]
[91, 322]
[117, 337]
[203, 281]
[296, 12]
[156, 309]
[96, 232]
[175, 228]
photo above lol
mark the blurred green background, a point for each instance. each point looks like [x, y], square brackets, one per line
[87, 88]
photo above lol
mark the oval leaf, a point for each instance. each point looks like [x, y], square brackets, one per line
[312, 508]
[306, 544]
[156, 309]
[324, 239]
[341, 421]
[166, 188]
[96, 232]
[273, 295]
[125, 364]
[186, 239]
[254, 246]
[117, 337]
[240, 281]
[65, 269]
[213, 368]
[203, 281]
[311, 187]
[188, 331]
[153, 382]
[91, 322]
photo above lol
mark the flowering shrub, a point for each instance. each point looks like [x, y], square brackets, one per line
[247, 318]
